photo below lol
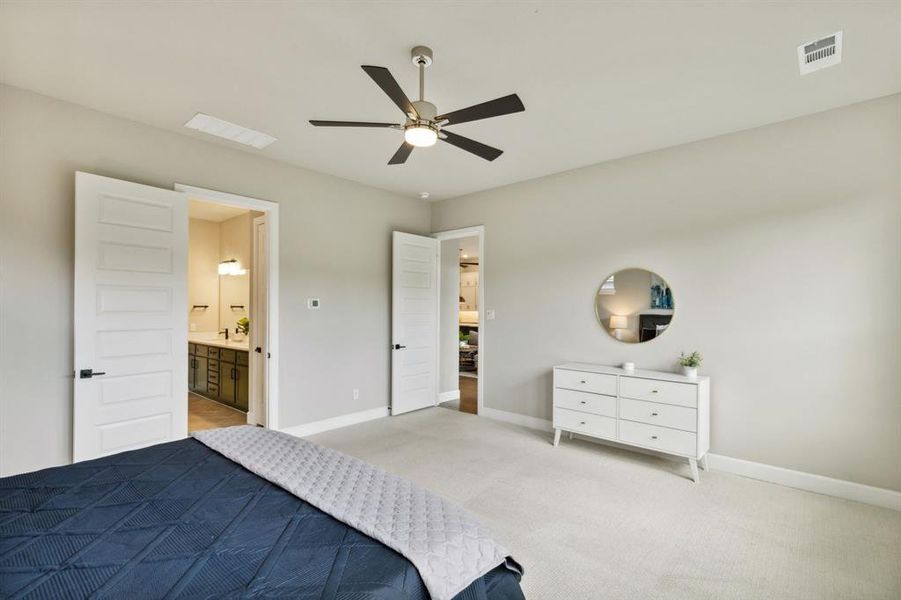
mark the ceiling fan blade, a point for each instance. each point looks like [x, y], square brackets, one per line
[389, 85]
[485, 110]
[351, 124]
[400, 157]
[477, 148]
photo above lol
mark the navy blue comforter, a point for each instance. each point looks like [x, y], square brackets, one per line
[179, 520]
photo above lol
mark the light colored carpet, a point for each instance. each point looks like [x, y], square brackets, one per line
[590, 521]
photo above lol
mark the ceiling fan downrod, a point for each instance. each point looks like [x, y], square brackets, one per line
[422, 58]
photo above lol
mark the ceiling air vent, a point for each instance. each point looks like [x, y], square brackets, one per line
[820, 54]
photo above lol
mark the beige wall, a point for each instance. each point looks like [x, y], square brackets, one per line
[234, 290]
[334, 245]
[203, 275]
[783, 248]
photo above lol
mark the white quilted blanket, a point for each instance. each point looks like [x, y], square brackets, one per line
[447, 545]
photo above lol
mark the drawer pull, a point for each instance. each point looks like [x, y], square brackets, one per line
[581, 422]
[582, 381]
[581, 402]
[653, 391]
[653, 414]
[653, 437]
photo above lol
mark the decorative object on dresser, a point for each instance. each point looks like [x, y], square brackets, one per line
[690, 363]
[659, 411]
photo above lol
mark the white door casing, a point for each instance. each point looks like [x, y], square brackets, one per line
[414, 322]
[131, 244]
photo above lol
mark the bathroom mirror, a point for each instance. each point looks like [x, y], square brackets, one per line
[634, 305]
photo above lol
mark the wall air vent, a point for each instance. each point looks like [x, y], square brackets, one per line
[820, 54]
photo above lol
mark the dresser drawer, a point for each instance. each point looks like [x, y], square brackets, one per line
[664, 415]
[212, 376]
[592, 403]
[579, 422]
[227, 356]
[213, 364]
[200, 350]
[659, 438]
[596, 383]
[242, 358]
[668, 392]
[212, 352]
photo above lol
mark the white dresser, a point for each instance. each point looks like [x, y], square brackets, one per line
[658, 411]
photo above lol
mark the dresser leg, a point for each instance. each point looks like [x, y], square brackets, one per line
[703, 462]
[694, 469]
[556, 437]
[570, 434]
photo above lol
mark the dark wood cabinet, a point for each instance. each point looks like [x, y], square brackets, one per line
[220, 374]
[242, 389]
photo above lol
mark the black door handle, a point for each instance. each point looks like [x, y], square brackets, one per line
[398, 346]
[88, 373]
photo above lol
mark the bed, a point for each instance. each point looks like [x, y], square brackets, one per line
[180, 520]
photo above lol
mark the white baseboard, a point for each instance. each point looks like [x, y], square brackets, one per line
[306, 429]
[448, 396]
[819, 484]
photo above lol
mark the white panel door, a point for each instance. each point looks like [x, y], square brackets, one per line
[414, 323]
[259, 343]
[131, 351]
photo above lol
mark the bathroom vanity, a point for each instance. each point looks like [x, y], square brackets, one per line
[219, 371]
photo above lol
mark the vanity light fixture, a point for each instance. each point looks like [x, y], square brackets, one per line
[231, 267]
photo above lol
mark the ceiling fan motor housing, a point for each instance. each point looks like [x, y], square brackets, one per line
[421, 55]
[426, 110]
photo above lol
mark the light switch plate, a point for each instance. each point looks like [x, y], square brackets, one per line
[313, 303]
[489, 314]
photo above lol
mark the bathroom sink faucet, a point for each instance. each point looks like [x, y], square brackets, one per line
[225, 331]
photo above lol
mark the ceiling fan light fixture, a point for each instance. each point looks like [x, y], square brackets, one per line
[420, 136]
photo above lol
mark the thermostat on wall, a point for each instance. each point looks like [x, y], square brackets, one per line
[312, 302]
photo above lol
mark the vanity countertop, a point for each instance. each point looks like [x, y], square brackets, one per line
[219, 342]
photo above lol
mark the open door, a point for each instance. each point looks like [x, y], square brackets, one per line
[131, 347]
[414, 323]
[259, 343]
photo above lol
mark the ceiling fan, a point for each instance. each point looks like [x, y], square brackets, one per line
[423, 125]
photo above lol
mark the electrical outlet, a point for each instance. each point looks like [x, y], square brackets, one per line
[356, 394]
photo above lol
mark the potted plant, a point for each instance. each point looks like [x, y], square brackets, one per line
[690, 363]
[243, 328]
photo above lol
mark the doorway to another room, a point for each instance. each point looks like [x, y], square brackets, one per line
[220, 253]
[460, 336]
[228, 310]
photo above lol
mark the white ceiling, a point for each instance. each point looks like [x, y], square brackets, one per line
[209, 211]
[599, 80]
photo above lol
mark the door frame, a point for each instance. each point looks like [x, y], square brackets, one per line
[271, 210]
[455, 234]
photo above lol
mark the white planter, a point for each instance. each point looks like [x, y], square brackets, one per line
[690, 371]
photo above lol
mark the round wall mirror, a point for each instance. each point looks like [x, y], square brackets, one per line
[634, 305]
